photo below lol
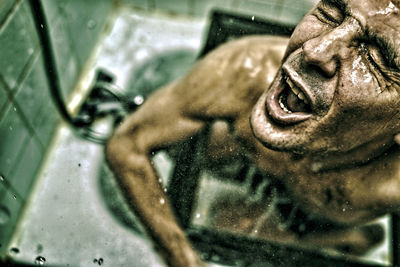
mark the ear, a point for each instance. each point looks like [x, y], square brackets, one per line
[397, 138]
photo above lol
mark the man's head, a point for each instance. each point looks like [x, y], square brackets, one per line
[339, 84]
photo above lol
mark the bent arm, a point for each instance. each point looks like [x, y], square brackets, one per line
[156, 124]
[221, 86]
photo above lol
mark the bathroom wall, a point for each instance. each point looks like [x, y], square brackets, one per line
[286, 11]
[28, 117]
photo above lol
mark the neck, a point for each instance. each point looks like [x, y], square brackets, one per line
[357, 156]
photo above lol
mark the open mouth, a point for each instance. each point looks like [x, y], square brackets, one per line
[292, 99]
[287, 103]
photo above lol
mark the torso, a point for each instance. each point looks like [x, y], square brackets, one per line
[349, 195]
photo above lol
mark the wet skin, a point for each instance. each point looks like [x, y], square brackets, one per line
[326, 125]
[338, 58]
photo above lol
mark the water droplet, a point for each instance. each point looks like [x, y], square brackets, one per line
[205, 256]
[252, 18]
[99, 261]
[162, 201]
[41, 26]
[197, 215]
[39, 248]
[165, 190]
[5, 215]
[256, 231]
[1, 178]
[15, 109]
[138, 100]
[14, 196]
[40, 260]
[91, 24]
[14, 250]
[215, 258]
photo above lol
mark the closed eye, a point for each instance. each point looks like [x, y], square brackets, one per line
[329, 13]
[378, 61]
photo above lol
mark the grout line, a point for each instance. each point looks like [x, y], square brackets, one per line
[27, 68]
[4, 22]
[9, 97]
[8, 185]
[12, 100]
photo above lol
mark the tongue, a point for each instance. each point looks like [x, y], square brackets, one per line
[295, 104]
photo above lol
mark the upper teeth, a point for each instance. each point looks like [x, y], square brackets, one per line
[296, 90]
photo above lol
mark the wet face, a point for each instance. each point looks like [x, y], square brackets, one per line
[339, 84]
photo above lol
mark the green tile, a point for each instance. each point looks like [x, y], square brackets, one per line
[25, 170]
[46, 121]
[203, 8]
[66, 61]
[13, 134]
[141, 4]
[52, 8]
[84, 21]
[33, 91]
[5, 8]
[174, 6]
[10, 208]
[3, 100]
[17, 47]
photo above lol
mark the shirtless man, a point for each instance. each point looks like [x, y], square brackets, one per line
[326, 125]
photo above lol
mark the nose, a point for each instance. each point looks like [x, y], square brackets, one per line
[319, 52]
[327, 50]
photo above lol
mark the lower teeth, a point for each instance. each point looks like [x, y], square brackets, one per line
[282, 105]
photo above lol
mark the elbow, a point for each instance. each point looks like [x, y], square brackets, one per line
[123, 148]
[115, 151]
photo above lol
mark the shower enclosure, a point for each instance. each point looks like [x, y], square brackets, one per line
[59, 203]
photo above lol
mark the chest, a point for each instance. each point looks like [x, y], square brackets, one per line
[347, 195]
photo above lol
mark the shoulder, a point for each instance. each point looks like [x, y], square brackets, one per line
[244, 58]
[255, 41]
[229, 79]
[257, 47]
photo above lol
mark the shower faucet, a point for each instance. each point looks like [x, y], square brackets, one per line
[104, 100]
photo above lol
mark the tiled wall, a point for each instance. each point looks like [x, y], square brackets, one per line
[286, 11]
[28, 116]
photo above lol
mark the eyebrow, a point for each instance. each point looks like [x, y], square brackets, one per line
[338, 3]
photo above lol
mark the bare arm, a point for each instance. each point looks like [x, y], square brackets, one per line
[128, 152]
[221, 86]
